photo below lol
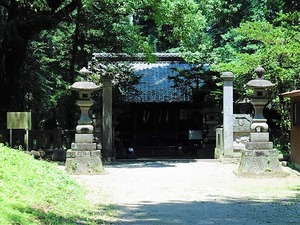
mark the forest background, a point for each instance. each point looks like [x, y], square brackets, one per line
[44, 43]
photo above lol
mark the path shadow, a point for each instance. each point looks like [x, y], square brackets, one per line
[146, 163]
[227, 212]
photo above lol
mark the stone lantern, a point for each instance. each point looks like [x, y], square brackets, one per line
[84, 157]
[259, 85]
[259, 158]
[84, 129]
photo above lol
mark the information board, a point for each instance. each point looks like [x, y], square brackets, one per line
[19, 120]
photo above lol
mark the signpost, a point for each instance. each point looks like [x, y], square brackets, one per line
[19, 120]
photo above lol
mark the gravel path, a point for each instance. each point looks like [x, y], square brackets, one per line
[192, 192]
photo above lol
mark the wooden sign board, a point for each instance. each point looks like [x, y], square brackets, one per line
[19, 120]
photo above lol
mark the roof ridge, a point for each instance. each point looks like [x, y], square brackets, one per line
[174, 57]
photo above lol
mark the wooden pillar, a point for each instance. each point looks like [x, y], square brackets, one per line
[109, 153]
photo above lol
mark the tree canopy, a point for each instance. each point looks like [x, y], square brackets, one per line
[43, 43]
[21, 22]
[275, 46]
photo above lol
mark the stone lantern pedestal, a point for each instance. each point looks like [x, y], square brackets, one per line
[259, 158]
[84, 157]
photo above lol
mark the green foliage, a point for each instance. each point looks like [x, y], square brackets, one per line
[37, 192]
[261, 43]
[110, 26]
[183, 17]
[123, 80]
[36, 5]
[222, 16]
[276, 48]
[58, 38]
[44, 84]
[22, 54]
[199, 83]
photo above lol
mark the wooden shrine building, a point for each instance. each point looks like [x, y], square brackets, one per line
[161, 121]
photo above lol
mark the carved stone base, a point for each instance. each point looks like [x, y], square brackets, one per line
[84, 162]
[260, 163]
[84, 146]
[84, 138]
[259, 137]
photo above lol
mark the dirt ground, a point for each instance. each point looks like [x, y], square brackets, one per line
[193, 192]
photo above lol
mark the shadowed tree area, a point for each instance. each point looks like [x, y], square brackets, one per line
[43, 43]
[21, 22]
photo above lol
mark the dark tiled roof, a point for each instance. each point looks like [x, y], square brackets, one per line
[154, 84]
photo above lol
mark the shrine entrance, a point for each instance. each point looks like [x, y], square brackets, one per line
[162, 121]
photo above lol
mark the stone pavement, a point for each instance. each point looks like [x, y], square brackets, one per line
[193, 192]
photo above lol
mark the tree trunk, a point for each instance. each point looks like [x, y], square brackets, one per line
[13, 51]
[74, 52]
[20, 25]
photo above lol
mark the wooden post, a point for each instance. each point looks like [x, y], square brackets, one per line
[109, 153]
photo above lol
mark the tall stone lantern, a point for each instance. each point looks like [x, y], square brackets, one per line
[259, 158]
[84, 157]
[259, 85]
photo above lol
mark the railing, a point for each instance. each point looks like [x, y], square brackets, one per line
[38, 139]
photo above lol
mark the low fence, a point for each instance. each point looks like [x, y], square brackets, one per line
[39, 139]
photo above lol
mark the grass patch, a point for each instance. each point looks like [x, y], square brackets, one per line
[38, 192]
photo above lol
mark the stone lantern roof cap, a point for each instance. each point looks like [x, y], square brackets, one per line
[259, 82]
[84, 71]
[84, 86]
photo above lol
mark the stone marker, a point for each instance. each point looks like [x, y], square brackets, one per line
[227, 116]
